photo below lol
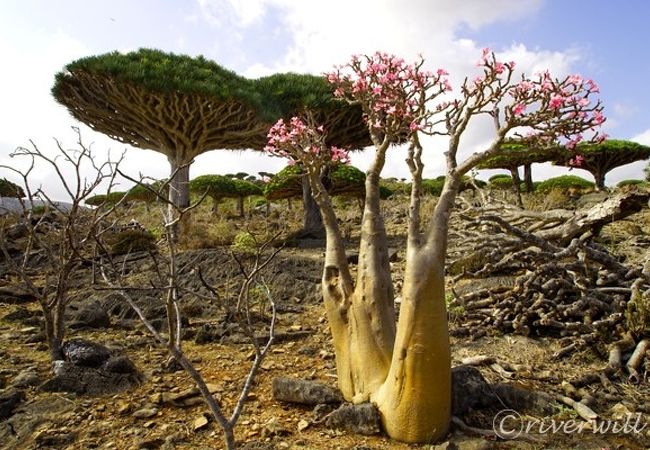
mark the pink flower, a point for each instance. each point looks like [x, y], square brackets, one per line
[592, 86]
[414, 126]
[598, 118]
[577, 160]
[499, 67]
[442, 72]
[571, 144]
[518, 109]
[524, 86]
[556, 102]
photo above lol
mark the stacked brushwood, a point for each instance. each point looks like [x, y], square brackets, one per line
[543, 274]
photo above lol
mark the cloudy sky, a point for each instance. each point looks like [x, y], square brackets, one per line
[600, 39]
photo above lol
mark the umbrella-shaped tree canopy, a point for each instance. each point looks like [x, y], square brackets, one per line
[600, 158]
[176, 105]
[342, 180]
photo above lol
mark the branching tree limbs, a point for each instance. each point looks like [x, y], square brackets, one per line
[405, 369]
[59, 241]
[168, 284]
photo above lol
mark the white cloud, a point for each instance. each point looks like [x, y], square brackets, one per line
[245, 12]
[642, 138]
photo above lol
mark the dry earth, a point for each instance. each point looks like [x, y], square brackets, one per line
[144, 417]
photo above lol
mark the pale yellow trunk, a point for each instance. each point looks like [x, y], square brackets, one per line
[415, 400]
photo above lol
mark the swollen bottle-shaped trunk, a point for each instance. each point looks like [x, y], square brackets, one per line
[415, 400]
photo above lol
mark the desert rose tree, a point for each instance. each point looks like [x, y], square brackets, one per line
[405, 368]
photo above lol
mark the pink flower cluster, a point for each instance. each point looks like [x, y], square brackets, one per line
[392, 92]
[302, 143]
[562, 107]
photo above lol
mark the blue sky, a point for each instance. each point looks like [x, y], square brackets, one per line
[601, 39]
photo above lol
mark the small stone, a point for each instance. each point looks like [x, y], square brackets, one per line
[200, 422]
[145, 413]
[303, 425]
[149, 424]
[619, 411]
[273, 428]
[295, 327]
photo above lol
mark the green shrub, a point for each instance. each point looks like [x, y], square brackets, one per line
[385, 192]
[433, 187]
[501, 181]
[564, 182]
[631, 183]
[244, 242]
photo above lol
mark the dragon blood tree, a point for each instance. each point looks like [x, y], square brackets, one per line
[515, 154]
[601, 157]
[342, 179]
[404, 368]
[176, 105]
[288, 94]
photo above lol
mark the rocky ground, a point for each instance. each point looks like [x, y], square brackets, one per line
[165, 412]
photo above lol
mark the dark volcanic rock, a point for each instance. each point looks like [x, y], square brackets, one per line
[69, 377]
[90, 315]
[469, 390]
[8, 402]
[361, 419]
[293, 390]
[84, 353]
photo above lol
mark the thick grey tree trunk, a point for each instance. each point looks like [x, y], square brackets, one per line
[528, 177]
[312, 219]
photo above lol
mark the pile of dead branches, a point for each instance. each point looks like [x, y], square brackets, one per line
[543, 273]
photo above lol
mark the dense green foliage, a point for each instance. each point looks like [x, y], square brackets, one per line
[146, 192]
[433, 186]
[9, 189]
[564, 182]
[115, 197]
[385, 191]
[516, 154]
[165, 72]
[631, 183]
[221, 186]
[614, 146]
[272, 97]
[96, 200]
[342, 180]
[287, 183]
[283, 94]
[500, 181]
[347, 180]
